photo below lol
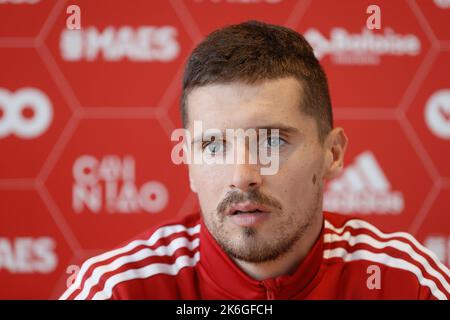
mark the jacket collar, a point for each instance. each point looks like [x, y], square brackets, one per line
[222, 270]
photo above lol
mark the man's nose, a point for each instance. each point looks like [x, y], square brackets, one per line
[245, 177]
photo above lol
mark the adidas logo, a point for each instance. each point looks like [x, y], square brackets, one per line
[363, 189]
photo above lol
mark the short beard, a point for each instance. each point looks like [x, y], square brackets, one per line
[249, 246]
[257, 250]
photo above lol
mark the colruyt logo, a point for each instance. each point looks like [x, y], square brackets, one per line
[437, 114]
[146, 43]
[363, 188]
[19, 1]
[440, 245]
[27, 113]
[28, 254]
[246, 2]
[366, 47]
[109, 184]
[443, 4]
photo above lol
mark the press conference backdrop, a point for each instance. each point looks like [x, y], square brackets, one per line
[86, 117]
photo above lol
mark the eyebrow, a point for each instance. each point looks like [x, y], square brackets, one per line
[283, 129]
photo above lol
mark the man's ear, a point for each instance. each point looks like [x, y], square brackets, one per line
[335, 147]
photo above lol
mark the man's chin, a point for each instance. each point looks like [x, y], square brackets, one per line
[254, 245]
[251, 253]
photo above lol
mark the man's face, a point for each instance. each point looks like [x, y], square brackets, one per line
[280, 207]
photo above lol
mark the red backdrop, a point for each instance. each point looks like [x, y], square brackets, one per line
[86, 117]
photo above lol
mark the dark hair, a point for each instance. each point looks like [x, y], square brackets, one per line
[255, 51]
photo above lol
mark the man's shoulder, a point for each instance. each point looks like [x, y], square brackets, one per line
[163, 249]
[355, 244]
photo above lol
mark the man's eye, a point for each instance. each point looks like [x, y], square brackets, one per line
[273, 142]
[213, 147]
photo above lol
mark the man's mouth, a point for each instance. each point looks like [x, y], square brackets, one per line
[245, 208]
[242, 212]
[248, 218]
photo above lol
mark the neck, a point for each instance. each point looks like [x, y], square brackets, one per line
[288, 262]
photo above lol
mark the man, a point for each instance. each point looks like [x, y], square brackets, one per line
[263, 236]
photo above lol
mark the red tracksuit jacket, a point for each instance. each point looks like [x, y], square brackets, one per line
[351, 259]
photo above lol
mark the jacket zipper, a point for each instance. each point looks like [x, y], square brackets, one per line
[270, 293]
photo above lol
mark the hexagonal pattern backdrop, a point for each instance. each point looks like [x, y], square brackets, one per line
[86, 117]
